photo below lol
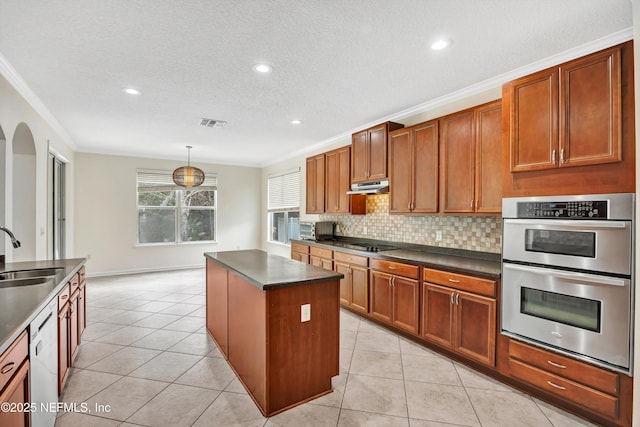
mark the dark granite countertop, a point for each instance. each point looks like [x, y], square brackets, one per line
[454, 260]
[268, 271]
[19, 305]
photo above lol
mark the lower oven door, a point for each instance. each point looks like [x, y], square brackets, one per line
[585, 314]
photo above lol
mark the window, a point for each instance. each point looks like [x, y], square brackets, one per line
[283, 195]
[168, 213]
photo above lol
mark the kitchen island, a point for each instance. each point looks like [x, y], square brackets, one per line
[277, 322]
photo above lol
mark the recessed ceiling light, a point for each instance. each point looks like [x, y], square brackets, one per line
[440, 44]
[296, 122]
[131, 91]
[261, 68]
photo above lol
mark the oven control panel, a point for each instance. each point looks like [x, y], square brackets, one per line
[584, 209]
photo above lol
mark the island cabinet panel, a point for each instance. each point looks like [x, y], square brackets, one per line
[217, 309]
[14, 382]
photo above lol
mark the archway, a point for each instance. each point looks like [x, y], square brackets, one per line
[23, 195]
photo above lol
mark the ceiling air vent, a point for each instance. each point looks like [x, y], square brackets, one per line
[210, 123]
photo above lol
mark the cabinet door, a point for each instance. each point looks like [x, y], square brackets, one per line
[299, 256]
[457, 162]
[82, 310]
[315, 184]
[16, 392]
[381, 296]
[73, 328]
[590, 110]
[425, 168]
[400, 171]
[378, 152]
[406, 302]
[326, 264]
[63, 347]
[359, 156]
[534, 121]
[489, 158]
[437, 314]
[337, 180]
[217, 309]
[345, 289]
[316, 261]
[476, 327]
[360, 288]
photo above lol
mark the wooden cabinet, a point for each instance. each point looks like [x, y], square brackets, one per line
[315, 184]
[413, 169]
[470, 159]
[461, 315]
[300, 252]
[321, 257]
[63, 337]
[216, 305]
[14, 382]
[73, 327]
[568, 115]
[395, 294]
[354, 286]
[594, 389]
[369, 152]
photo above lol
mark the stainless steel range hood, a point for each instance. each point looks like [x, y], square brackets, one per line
[373, 187]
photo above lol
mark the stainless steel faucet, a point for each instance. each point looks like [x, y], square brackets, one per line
[14, 241]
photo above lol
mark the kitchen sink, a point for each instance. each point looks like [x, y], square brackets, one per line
[10, 283]
[24, 274]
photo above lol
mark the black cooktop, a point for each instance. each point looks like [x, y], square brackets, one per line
[368, 247]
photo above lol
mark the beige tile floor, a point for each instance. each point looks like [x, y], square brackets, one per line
[146, 355]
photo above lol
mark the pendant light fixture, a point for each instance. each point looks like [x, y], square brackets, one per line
[188, 176]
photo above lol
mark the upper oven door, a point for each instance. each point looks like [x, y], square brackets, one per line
[603, 246]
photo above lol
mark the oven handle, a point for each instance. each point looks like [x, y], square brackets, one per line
[569, 223]
[599, 280]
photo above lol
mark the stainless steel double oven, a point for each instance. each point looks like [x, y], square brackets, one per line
[567, 275]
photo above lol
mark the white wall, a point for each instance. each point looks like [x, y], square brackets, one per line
[14, 109]
[106, 215]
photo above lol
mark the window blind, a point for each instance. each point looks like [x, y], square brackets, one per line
[163, 181]
[283, 191]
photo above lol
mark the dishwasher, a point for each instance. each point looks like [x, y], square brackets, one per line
[43, 352]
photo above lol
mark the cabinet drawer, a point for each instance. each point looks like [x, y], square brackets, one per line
[321, 252]
[351, 259]
[405, 270]
[297, 247]
[12, 358]
[582, 395]
[592, 376]
[460, 281]
[74, 283]
[63, 297]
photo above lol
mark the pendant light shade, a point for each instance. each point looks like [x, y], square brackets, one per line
[188, 176]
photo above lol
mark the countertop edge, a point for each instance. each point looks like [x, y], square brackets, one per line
[10, 338]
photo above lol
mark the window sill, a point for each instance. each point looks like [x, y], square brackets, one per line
[199, 242]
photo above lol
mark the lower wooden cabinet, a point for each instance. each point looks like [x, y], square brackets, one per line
[300, 252]
[14, 382]
[395, 298]
[458, 320]
[320, 257]
[71, 324]
[63, 337]
[354, 286]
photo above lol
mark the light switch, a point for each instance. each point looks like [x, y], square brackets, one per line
[305, 312]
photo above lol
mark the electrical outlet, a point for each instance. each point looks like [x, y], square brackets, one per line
[438, 236]
[305, 312]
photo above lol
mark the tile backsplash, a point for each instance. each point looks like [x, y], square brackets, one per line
[476, 233]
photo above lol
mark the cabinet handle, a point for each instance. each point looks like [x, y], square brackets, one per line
[457, 299]
[562, 155]
[391, 267]
[476, 205]
[454, 281]
[64, 297]
[7, 368]
[553, 156]
[559, 387]
[452, 298]
[557, 365]
[409, 206]
[471, 205]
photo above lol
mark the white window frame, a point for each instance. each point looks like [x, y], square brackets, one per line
[283, 196]
[162, 180]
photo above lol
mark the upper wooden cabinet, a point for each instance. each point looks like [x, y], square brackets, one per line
[413, 169]
[369, 152]
[470, 159]
[568, 115]
[315, 184]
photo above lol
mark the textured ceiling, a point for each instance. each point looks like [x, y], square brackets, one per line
[337, 65]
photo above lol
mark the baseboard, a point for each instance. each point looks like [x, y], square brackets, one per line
[143, 270]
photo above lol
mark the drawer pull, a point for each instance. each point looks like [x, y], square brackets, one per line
[64, 297]
[7, 368]
[391, 267]
[457, 299]
[557, 365]
[451, 298]
[454, 281]
[559, 387]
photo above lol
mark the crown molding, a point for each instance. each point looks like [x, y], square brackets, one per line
[18, 83]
